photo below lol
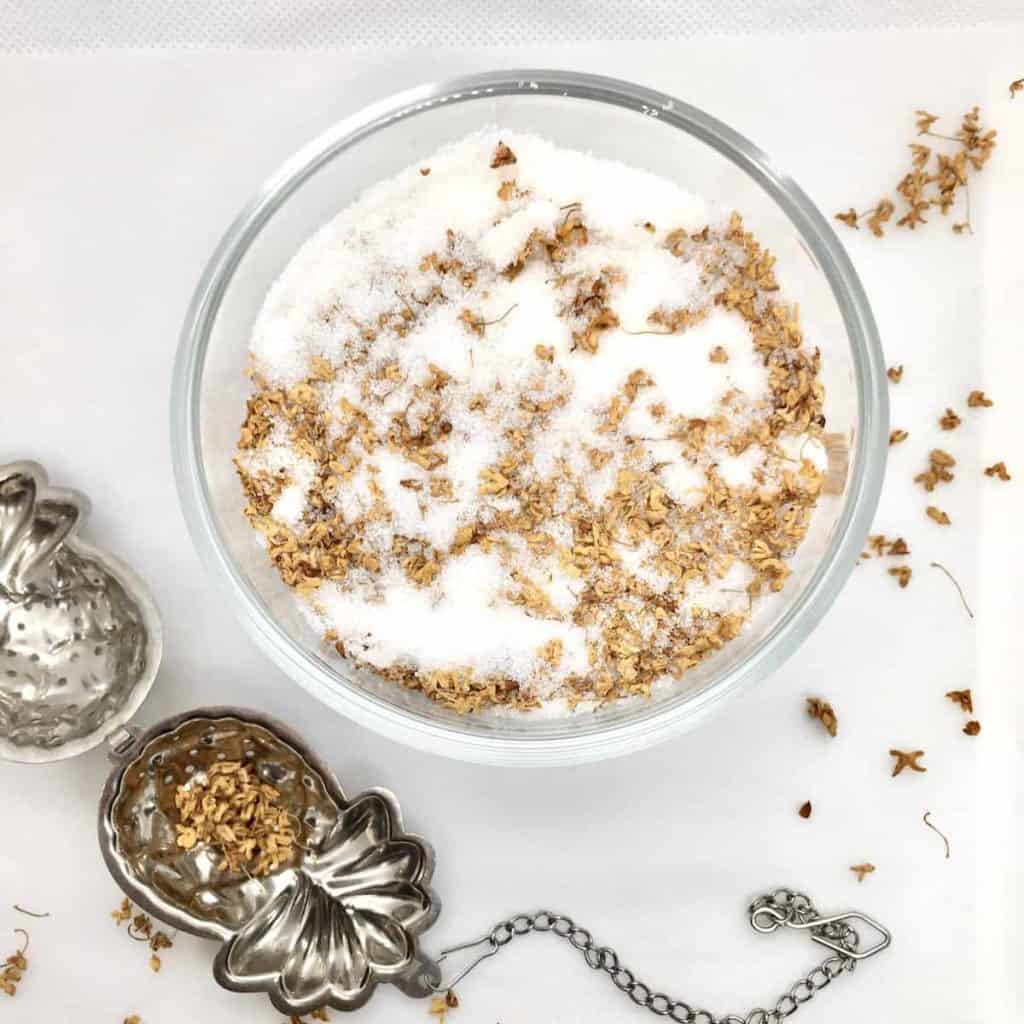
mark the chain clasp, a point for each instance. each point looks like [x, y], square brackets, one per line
[768, 918]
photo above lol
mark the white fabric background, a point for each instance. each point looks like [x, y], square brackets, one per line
[120, 171]
[46, 25]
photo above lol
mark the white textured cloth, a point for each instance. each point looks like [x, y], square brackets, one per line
[47, 25]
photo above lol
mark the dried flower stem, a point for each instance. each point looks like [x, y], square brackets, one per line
[29, 913]
[488, 323]
[936, 831]
[959, 589]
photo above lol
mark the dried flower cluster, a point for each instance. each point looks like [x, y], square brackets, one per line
[935, 178]
[229, 809]
[15, 966]
[939, 471]
[897, 547]
[140, 928]
[902, 574]
[823, 712]
[965, 701]
[637, 632]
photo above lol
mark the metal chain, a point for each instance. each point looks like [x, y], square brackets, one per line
[767, 913]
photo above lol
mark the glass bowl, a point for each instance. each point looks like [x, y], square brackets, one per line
[612, 119]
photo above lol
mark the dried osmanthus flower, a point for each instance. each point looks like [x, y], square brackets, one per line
[882, 545]
[503, 156]
[1016, 87]
[895, 373]
[805, 809]
[972, 728]
[935, 177]
[823, 712]
[907, 759]
[231, 810]
[998, 469]
[877, 217]
[937, 515]
[979, 400]
[862, 870]
[442, 1005]
[898, 436]
[133, 1019]
[140, 928]
[15, 966]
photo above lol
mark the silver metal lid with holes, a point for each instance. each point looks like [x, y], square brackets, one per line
[80, 637]
[339, 916]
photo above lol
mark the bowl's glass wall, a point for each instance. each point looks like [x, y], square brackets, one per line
[643, 140]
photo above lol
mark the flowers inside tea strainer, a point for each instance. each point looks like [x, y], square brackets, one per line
[222, 823]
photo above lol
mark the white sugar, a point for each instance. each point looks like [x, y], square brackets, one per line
[444, 255]
[461, 622]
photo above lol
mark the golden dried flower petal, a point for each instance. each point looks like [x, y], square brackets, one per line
[862, 870]
[907, 759]
[963, 698]
[503, 156]
[824, 713]
[902, 574]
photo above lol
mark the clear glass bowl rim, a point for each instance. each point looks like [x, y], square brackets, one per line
[590, 742]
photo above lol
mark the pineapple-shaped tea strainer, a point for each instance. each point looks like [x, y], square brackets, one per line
[80, 638]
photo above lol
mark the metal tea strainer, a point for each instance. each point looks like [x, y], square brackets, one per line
[340, 914]
[80, 638]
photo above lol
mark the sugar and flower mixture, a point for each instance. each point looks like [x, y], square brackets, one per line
[530, 427]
